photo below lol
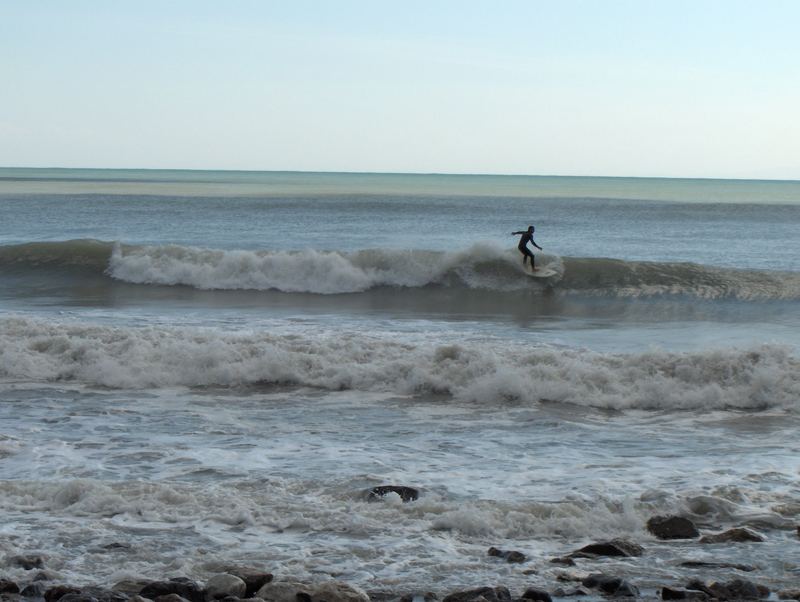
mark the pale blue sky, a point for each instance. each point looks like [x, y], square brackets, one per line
[696, 89]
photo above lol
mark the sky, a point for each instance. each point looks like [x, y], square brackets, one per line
[676, 88]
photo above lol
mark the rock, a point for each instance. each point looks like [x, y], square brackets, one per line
[129, 586]
[421, 597]
[615, 547]
[695, 564]
[575, 591]
[8, 587]
[491, 594]
[137, 598]
[612, 586]
[407, 494]
[170, 598]
[565, 560]
[337, 591]
[27, 562]
[738, 589]
[44, 575]
[672, 527]
[59, 591]
[669, 593]
[254, 579]
[510, 556]
[78, 597]
[735, 535]
[285, 591]
[185, 588]
[537, 594]
[789, 594]
[36, 589]
[222, 585]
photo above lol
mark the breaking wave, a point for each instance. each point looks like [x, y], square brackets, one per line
[481, 266]
[485, 371]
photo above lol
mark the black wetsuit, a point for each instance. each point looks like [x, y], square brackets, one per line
[527, 237]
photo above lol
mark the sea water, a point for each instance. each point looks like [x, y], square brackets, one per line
[212, 368]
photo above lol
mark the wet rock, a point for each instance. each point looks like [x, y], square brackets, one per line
[78, 597]
[285, 591]
[567, 593]
[170, 598]
[537, 594]
[407, 494]
[672, 593]
[254, 579]
[565, 560]
[509, 556]
[137, 598]
[735, 535]
[44, 575]
[697, 564]
[421, 597]
[491, 594]
[789, 594]
[222, 585]
[59, 591]
[612, 586]
[185, 588]
[27, 561]
[8, 587]
[738, 589]
[337, 591]
[672, 527]
[129, 586]
[34, 590]
[615, 547]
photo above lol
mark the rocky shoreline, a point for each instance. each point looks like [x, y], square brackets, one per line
[236, 583]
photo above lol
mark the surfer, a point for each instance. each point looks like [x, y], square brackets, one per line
[527, 237]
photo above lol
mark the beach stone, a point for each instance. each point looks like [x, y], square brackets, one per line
[672, 527]
[612, 586]
[8, 587]
[78, 597]
[222, 585]
[533, 593]
[254, 579]
[509, 556]
[185, 588]
[407, 494]
[789, 594]
[696, 564]
[425, 597]
[27, 561]
[59, 591]
[285, 591]
[565, 560]
[137, 598]
[670, 593]
[615, 547]
[44, 575]
[738, 589]
[338, 591]
[491, 594]
[735, 535]
[129, 586]
[560, 592]
[34, 590]
[170, 598]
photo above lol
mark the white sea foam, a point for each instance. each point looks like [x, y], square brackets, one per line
[484, 370]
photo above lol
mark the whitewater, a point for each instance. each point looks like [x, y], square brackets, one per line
[200, 369]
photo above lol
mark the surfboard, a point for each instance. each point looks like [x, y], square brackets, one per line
[544, 272]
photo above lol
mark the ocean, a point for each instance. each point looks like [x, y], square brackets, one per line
[200, 369]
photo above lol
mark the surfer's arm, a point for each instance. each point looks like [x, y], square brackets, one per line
[535, 245]
[515, 233]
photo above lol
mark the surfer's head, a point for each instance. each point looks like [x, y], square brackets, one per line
[531, 228]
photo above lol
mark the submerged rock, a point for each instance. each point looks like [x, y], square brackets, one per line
[612, 586]
[738, 589]
[407, 494]
[615, 547]
[59, 591]
[672, 527]
[338, 591]
[565, 560]
[735, 535]
[697, 564]
[510, 555]
[27, 561]
[8, 587]
[673, 593]
[789, 594]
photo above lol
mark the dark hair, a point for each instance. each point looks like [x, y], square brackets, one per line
[531, 228]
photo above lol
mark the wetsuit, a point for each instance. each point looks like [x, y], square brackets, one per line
[527, 236]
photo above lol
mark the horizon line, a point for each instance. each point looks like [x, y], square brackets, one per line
[406, 173]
